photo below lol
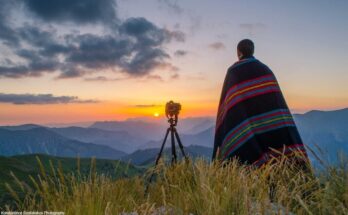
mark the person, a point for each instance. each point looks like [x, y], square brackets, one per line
[254, 123]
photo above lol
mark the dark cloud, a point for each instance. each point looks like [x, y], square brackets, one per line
[217, 46]
[35, 67]
[7, 34]
[94, 51]
[148, 33]
[78, 11]
[135, 47]
[140, 27]
[22, 99]
[180, 53]
[144, 61]
[71, 71]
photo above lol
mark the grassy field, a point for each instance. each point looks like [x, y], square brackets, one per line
[191, 188]
[23, 166]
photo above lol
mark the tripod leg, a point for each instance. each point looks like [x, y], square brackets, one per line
[173, 146]
[157, 160]
[162, 147]
[180, 144]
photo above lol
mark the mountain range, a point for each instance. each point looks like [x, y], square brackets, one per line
[325, 132]
[148, 130]
[42, 140]
[119, 140]
[204, 138]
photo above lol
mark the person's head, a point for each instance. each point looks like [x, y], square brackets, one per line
[245, 48]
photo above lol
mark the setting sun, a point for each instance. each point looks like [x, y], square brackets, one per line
[156, 114]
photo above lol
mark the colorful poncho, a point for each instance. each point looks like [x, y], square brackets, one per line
[254, 122]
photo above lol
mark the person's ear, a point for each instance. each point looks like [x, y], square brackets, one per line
[239, 54]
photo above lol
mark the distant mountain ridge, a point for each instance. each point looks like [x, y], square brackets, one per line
[143, 130]
[330, 120]
[42, 140]
[119, 140]
[154, 130]
[204, 138]
[327, 130]
[21, 127]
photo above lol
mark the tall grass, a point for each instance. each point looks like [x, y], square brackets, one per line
[192, 188]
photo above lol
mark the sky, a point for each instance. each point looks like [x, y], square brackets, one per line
[67, 61]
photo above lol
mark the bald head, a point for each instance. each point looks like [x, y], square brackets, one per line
[245, 48]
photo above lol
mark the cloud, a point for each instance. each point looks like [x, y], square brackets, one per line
[133, 47]
[41, 99]
[77, 11]
[180, 53]
[252, 28]
[147, 106]
[195, 23]
[196, 77]
[154, 77]
[102, 79]
[175, 76]
[179, 36]
[7, 35]
[217, 46]
[172, 6]
[142, 29]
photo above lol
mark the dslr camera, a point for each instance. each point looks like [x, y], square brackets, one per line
[172, 109]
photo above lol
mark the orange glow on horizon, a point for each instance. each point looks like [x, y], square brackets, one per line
[107, 111]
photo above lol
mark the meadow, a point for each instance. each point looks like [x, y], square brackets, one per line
[196, 187]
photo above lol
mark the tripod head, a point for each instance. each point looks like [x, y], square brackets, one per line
[173, 120]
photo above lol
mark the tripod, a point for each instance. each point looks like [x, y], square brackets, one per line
[173, 121]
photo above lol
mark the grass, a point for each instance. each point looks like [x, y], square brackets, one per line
[190, 188]
[21, 166]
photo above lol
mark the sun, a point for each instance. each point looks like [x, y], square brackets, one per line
[156, 114]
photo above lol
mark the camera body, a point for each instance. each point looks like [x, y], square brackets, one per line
[172, 109]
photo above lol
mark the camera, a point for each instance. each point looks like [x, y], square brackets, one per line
[172, 109]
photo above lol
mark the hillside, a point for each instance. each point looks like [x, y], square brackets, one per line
[24, 165]
[197, 188]
[44, 141]
[148, 156]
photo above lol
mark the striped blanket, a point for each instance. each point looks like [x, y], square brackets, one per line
[254, 123]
